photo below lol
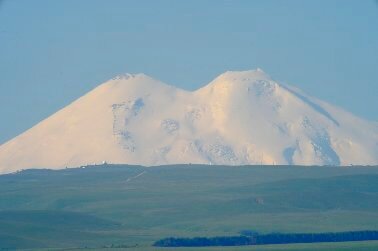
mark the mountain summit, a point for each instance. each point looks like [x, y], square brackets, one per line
[241, 117]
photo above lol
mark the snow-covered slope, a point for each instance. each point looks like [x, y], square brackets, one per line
[239, 118]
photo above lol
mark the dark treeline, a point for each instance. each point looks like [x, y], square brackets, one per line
[273, 238]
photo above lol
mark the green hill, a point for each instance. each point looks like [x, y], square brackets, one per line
[131, 205]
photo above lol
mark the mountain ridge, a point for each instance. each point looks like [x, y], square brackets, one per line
[241, 117]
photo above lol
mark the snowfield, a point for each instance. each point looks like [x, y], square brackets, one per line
[239, 118]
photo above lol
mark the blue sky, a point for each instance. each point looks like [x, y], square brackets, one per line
[52, 52]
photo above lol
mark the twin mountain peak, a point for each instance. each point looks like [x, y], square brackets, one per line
[239, 118]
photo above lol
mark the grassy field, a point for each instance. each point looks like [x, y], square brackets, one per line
[345, 246]
[131, 205]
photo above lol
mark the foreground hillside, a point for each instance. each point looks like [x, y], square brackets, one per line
[240, 118]
[135, 206]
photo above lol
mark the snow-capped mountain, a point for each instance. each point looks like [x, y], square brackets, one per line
[239, 118]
